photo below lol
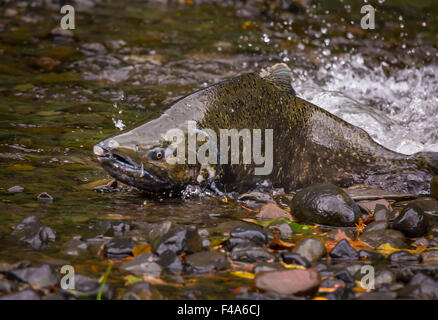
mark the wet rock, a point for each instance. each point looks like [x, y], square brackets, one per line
[113, 228]
[345, 293]
[294, 258]
[45, 198]
[75, 246]
[170, 261]
[16, 189]
[287, 282]
[420, 287]
[434, 187]
[325, 204]
[31, 232]
[403, 256]
[206, 262]
[271, 211]
[370, 256]
[248, 252]
[384, 277]
[254, 199]
[143, 264]
[179, 240]
[5, 267]
[27, 294]
[411, 221]
[375, 238]
[119, 248]
[62, 35]
[246, 233]
[381, 213]
[344, 251]
[429, 257]
[141, 291]
[281, 228]
[345, 276]
[6, 287]
[90, 49]
[311, 249]
[428, 205]
[155, 230]
[42, 276]
[376, 226]
[88, 288]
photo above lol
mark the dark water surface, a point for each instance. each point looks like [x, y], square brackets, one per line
[126, 61]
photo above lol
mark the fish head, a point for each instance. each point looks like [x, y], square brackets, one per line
[140, 158]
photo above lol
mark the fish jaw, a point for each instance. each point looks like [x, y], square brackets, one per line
[123, 168]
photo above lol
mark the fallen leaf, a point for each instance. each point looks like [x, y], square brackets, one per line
[277, 241]
[296, 227]
[292, 266]
[319, 298]
[131, 280]
[387, 249]
[141, 249]
[329, 245]
[332, 289]
[243, 274]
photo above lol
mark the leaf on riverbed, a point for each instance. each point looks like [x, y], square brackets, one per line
[292, 266]
[141, 249]
[243, 274]
[329, 245]
[387, 249]
[278, 242]
[296, 227]
[131, 280]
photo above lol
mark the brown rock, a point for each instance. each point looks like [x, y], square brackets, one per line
[271, 211]
[286, 282]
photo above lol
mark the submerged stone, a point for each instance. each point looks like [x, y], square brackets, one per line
[411, 221]
[287, 282]
[325, 204]
[31, 232]
[311, 249]
[179, 240]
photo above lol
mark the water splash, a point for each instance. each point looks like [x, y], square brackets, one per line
[400, 111]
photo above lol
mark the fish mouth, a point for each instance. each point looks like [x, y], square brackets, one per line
[126, 170]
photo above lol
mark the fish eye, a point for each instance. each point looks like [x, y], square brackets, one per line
[157, 154]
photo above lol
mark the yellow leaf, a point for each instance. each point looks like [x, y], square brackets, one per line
[243, 274]
[387, 249]
[292, 266]
[141, 249]
[131, 280]
[319, 298]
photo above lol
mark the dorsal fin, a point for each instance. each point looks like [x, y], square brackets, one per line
[280, 75]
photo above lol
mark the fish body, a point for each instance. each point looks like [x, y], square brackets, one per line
[309, 144]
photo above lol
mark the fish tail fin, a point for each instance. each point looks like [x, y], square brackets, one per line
[430, 160]
[279, 75]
